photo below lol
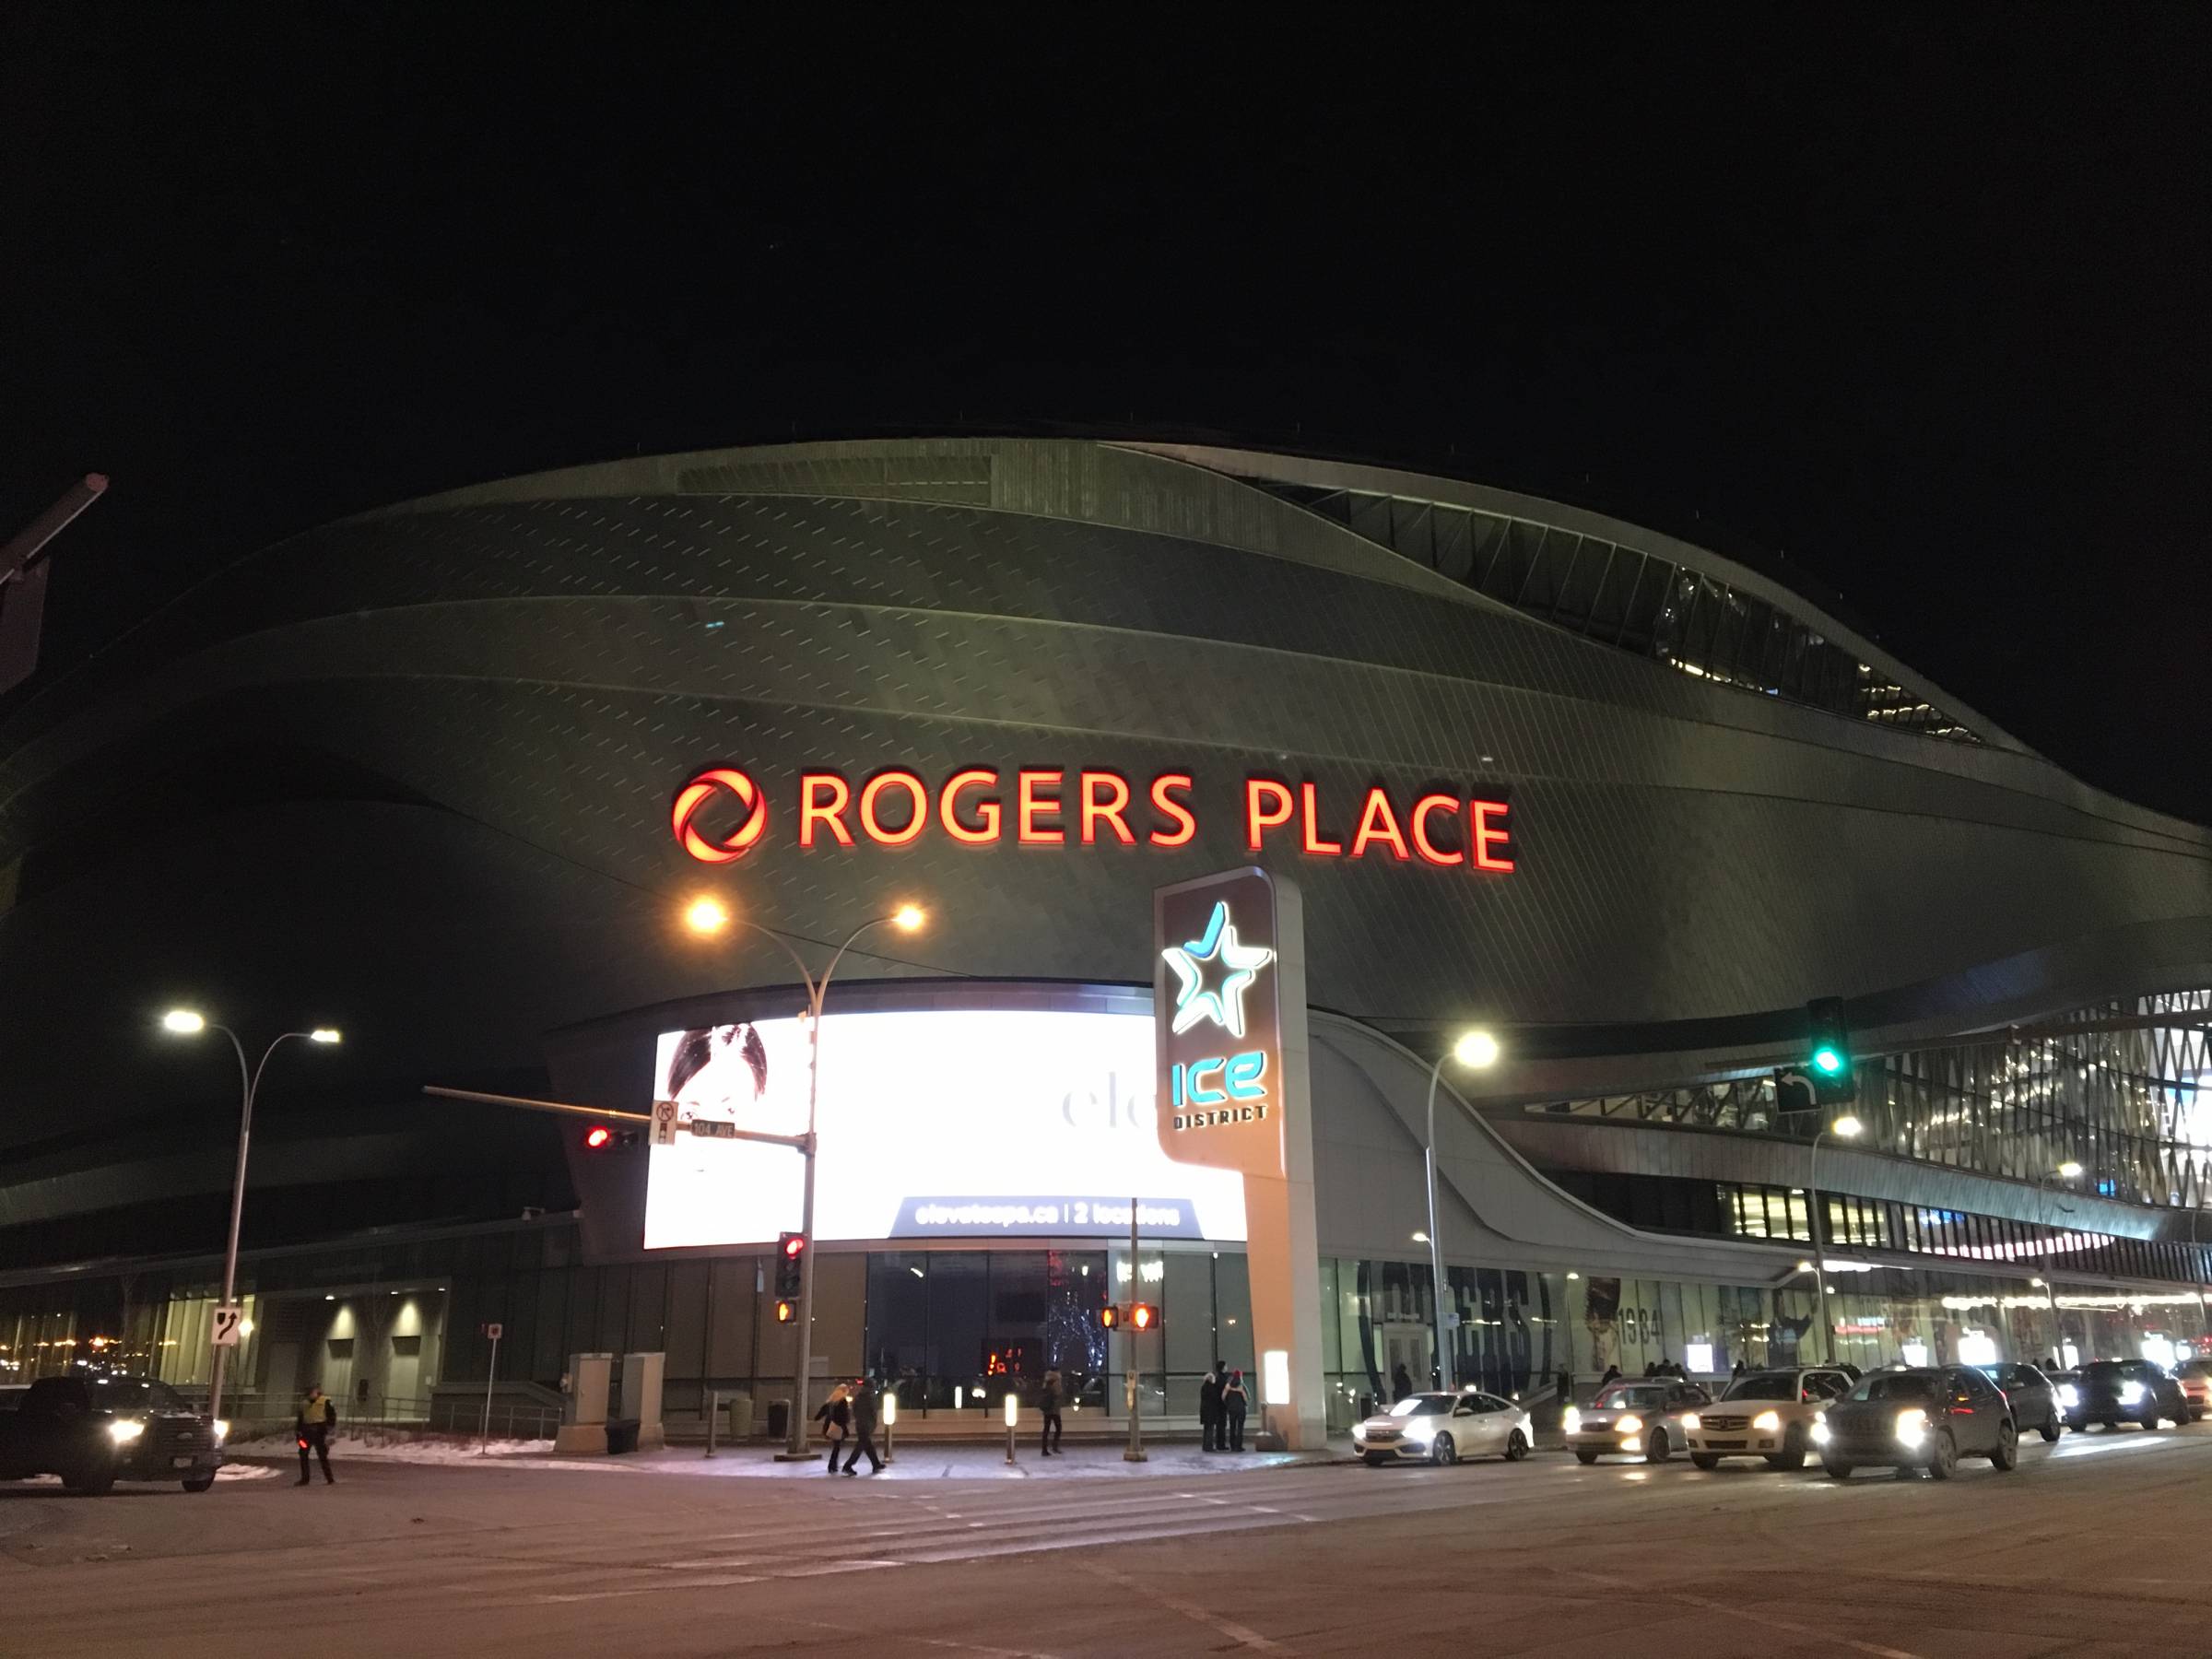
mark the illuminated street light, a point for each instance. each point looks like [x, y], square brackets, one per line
[189, 1022]
[709, 915]
[2069, 1171]
[1476, 1050]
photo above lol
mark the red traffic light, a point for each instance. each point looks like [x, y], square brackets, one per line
[598, 1137]
[785, 1313]
[1143, 1316]
[793, 1243]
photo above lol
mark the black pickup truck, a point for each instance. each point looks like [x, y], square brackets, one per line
[96, 1428]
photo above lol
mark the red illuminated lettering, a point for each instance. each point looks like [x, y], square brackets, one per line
[985, 827]
[917, 811]
[1480, 812]
[1254, 819]
[1033, 804]
[1109, 810]
[1421, 843]
[813, 809]
[1312, 833]
[1185, 825]
[1377, 822]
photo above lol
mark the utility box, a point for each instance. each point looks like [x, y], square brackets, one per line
[642, 1398]
[584, 1409]
[741, 1416]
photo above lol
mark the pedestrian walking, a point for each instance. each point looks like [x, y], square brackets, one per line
[1235, 1403]
[311, 1425]
[864, 1403]
[836, 1418]
[1401, 1381]
[1209, 1410]
[1048, 1404]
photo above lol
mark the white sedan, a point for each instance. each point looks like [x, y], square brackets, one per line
[1441, 1428]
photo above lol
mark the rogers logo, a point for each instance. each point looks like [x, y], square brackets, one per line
[697, 794]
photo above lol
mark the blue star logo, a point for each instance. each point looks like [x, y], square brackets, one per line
[1224, 1005]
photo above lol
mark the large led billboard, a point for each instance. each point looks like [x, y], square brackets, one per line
[933, 1124]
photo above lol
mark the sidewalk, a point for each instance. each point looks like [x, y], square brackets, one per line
[925, 1460]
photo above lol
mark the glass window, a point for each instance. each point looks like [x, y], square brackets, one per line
[1763, 1385]
[1897, 1385]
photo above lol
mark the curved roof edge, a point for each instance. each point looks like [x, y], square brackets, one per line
[1506, 503]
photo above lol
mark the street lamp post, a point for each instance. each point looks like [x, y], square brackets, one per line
[2064, 1172]
[185, 1022]
[707, 916]
[1475, 1050]
[1844, 1128]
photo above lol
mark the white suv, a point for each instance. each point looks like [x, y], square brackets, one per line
[1764, 1413]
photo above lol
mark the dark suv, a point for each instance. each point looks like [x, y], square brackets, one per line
[2113, 1392]
[1926, 1420]
[2032, 1397]
[94, 1429]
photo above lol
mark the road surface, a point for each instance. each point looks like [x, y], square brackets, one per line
[2101, 1546]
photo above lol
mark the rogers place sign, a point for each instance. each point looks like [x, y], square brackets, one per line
[722, 814]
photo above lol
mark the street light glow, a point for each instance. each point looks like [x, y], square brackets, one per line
[183, 1021]
[908, 916]
[1477, 1049]
[1845, 1127]
[2069, 1171]
[323, 1034]
[706, 914]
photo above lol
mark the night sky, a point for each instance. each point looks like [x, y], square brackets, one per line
[1909, 309]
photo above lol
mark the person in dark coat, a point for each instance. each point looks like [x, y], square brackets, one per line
[1401, 1381]
[864, 1407]
[311, 1425]
[1209, 1410]
[1047, 1405]
[836, 1418]
[1235, 1403]
[1612, 1375]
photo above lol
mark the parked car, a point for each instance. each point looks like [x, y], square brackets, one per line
[1926, 1418]
[1633, 1418]
[2032, 1397]
[94, 1429]
[1445, 1428]
[1765, 1414]
[2113, 1392]
[2195, 1378]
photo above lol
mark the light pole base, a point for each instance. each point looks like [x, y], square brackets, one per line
[797, 1456]
[1130, 1455]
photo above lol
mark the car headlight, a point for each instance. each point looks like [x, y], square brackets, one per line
[1911, 1426]
[1421, 1428]
[124, 1433]
[1693, 1422]
[2131, 1394]
[1768, 1422]
[1571, 1421]
[222, 1429]
[2069, 1394]
[1631, 1424]
[1820, 1428]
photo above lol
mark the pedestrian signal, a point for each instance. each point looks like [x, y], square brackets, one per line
[1143, 1316]
[786, 1312]
[1109, 1317]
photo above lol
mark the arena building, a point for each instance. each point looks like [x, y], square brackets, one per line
[448, 775]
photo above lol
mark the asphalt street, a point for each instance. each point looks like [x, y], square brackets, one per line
[2101, 1545]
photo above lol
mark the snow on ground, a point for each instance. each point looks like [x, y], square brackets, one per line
[429, 1448]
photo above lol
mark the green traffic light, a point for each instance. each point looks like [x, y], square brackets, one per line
[1828, 1060]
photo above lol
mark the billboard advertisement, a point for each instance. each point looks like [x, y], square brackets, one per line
[941, 1124]
[1220, 1049]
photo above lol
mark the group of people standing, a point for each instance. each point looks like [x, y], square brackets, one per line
[1222, 1406]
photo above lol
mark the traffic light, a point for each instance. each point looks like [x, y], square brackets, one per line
[790, 1248]
[1143, 1316]
[1828, 1051]
[598, 1137]
[786, 1312]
